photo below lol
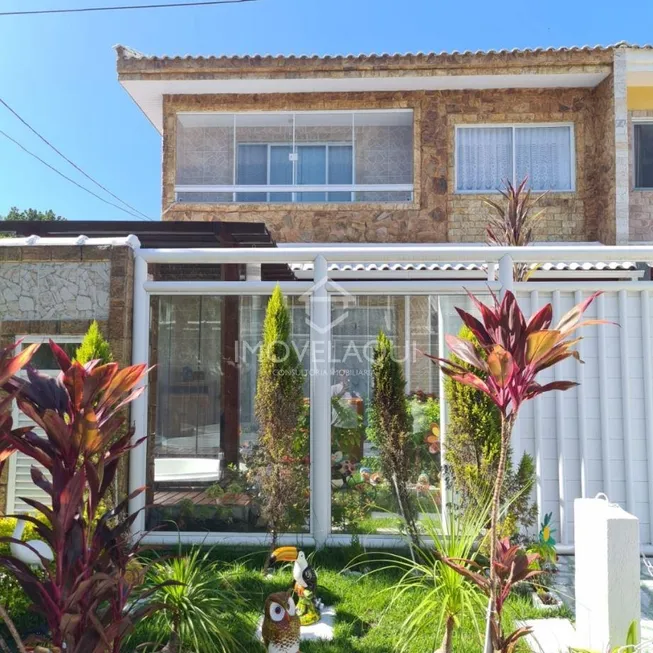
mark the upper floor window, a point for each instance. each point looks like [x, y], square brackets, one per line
[337, 156]
[487, 156]
[644, 155]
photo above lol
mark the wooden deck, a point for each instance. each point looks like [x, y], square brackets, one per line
[173, 497]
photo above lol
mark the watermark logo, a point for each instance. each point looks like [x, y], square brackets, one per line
[338, 296]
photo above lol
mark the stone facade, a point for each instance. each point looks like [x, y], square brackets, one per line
[39, 291]
[436, 213]
[640, 201]
[101, 275]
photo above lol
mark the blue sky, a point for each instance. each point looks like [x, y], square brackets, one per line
[58, 71]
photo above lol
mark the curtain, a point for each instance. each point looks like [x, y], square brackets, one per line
[252, 170]
[543, 154]
[340, 171]
[484, 158]
[311, 170]
[280, 171]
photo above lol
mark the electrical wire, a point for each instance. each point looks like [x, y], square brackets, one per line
[72, 181]
[74, 165]
[167, 5]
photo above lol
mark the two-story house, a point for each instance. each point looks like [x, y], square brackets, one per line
[359, 151]
[402, 148]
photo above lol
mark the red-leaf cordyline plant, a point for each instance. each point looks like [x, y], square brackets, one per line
[512, 223]
[511, 565]
[517, 351]
[85, 594]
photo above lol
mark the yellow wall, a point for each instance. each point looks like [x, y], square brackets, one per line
[640, 98]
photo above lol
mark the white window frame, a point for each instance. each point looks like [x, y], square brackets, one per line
[638, 121]
[30, 339]
[353, 188]
[514, 126]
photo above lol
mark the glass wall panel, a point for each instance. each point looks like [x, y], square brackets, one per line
[218, 152]
[205, 154]
[384, 153]
[203, 446]
[362, 499]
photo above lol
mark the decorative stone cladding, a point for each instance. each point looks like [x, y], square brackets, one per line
[39, 291]
[600, 154]
[93, 271]
[437, 213]
[641, 201]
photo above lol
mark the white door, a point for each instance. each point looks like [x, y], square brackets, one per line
[20, 482]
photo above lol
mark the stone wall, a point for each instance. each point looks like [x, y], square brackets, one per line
[641, 201]
[600, 147]
[43, 278]
[40, 291]
[437, 213]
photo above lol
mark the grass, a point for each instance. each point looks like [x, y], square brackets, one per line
[364, 622]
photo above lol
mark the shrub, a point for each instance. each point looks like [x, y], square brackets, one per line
[472, 452]
[393, 426]
[85, 593]
[281, 478]
[94, 347]
[199, 605]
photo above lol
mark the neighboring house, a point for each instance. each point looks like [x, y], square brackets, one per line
[402, 148]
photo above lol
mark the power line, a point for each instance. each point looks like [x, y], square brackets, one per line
[74, 165]
[198, 3]
[72, 181]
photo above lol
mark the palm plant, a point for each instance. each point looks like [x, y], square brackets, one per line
[512, 223]
[447, 594]
[198, 604]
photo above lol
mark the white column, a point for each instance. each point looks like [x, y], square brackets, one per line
[442, 353]
[607, 574]
[320, 405]
[140, 349]
[506, 276]
[622, 156]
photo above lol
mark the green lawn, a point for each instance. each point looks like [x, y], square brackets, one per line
[364, 624]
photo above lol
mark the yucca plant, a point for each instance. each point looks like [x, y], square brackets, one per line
[86, 595]
[512, 222]
[198, 604]
[517, 351]
[448, 598]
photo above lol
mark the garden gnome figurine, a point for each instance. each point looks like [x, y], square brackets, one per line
[280, 624]
[308, 605]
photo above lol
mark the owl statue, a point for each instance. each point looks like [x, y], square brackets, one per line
[280, 624]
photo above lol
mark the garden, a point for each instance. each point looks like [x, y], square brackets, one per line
[467, 570]
[76, 580]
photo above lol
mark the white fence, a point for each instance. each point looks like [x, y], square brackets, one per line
[597, 437]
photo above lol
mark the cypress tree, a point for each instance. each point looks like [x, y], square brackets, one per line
[279, 405]
[94, 347]
[393, 426]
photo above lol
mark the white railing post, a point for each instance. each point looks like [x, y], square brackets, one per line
[320, 405]
[506, 276]
[442, 353]
[140, 348]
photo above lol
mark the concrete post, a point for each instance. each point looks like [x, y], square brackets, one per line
[607, 573]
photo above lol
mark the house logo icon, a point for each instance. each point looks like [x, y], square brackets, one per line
[337, 295]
